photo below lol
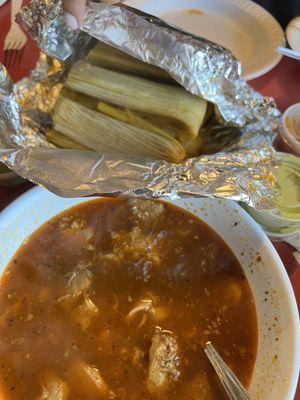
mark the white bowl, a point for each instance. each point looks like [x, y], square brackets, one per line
[270, 220]
[293, 237]
[291, 126]
[242, 26]
[278, 360]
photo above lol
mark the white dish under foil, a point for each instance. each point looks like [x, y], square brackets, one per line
[242, 26]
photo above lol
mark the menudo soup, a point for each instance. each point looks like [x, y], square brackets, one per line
[115, 298]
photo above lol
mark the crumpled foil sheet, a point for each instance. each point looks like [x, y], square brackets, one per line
[244, 171]
[238, 176]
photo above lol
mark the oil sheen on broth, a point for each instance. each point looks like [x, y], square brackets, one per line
[114, 299]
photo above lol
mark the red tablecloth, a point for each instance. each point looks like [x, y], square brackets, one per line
[18, 62]
[283, 83]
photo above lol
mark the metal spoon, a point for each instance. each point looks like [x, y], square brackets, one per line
[232, 385]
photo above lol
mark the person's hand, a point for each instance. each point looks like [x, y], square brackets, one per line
[74, 11]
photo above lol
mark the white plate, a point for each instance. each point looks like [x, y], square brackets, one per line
[248, 30]
[278, 361]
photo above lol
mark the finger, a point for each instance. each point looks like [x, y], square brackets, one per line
[11, 45]
[6, 43]
[74, 11]
[111, 1]
[23, 41]
[19, 45]
[5, 46]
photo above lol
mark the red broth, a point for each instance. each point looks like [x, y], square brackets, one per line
[115, 298]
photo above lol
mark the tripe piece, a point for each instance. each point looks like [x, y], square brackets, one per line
[90, 378]
[53, 388]
[164, 361]
[147, 307]
[85, 313]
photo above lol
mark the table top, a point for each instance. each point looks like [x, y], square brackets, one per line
[282, 83]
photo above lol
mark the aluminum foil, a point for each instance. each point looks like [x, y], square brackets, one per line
[244, 170]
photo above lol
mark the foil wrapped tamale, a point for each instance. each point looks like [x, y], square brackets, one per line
[242, 169]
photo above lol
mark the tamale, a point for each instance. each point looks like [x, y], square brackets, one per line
[83, 99]
[195, 147]
[130, 117]
[174, 107]
[63, 141]
[107, 135]
[110, 58]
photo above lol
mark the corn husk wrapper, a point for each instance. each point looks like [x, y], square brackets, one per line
[243, 171]
[160, 100]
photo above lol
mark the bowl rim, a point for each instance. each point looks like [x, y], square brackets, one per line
[38, 192]
[286, 133]
[271, 215]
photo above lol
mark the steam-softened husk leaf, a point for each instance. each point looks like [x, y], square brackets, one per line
[130, 117]
[104, 134]
[110, 58]
[183, 111]
[63, 141]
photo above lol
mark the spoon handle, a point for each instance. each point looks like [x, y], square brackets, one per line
[232, 385]
[289, 52]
